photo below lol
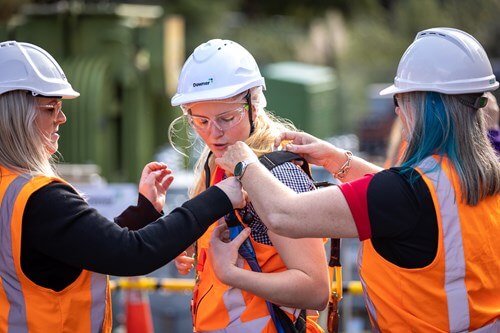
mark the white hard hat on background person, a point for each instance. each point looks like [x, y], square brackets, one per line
[217, 69]
[24, 66]
[444, 60]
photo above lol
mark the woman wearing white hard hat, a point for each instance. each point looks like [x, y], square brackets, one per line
[429, 260]
[55, 249]
[221, 95]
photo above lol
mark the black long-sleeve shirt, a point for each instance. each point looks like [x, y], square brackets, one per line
[62, 234]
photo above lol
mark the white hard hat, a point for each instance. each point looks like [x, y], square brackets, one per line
[25, 66]
[217, 69]
[444, 60]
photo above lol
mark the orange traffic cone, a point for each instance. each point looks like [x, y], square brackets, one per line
[138, 312]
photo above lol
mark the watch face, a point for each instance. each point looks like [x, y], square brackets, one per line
[238, 169]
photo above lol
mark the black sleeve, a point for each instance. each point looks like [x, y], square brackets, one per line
[137, 217]
[402, 218]
[65, 233]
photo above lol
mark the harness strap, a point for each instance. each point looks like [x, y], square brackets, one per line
[270, 161]
[247, 252]
[275, 158]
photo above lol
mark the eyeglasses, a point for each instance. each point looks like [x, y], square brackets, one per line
[54, 109]
[396, 103]
[223, 121]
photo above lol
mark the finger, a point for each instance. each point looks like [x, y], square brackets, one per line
[242, 236]
[299, 149]
[166, 181]
[279, 138]
[285, 136]
[184, 270]
[154, 166]
[219, 231]
[183, 265]
[151, 169]
[224, 236]
[184, 260]
[179, 265]
[161, 173]
[246, 198]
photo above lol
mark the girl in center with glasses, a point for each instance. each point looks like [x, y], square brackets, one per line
[220, 93]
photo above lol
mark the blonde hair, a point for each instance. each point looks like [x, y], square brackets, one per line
[267, 127]
[22, 143]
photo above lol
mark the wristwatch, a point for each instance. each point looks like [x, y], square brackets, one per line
[240, 167]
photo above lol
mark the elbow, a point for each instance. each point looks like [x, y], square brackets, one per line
[316, 300]
[279, 224]
[323, 302]
[315, 296]
[321, 299]
[321, 292]
[283, 226]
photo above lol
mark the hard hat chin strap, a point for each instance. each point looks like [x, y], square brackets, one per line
[248, 97]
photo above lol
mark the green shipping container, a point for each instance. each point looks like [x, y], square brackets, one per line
[305, 94]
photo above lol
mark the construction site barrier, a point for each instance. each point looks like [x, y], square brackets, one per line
[185, 285]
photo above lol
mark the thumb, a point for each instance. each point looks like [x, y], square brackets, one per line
[242, 236]
[218, 230]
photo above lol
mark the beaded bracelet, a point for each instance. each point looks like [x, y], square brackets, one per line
[344, 169]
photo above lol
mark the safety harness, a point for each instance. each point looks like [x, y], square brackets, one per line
[233, 220]
[270, 161]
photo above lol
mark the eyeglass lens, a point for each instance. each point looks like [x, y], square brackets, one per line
[52, 108]
[223, 122]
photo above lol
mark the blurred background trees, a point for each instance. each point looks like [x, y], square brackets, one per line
[125, 60]
[361, 40]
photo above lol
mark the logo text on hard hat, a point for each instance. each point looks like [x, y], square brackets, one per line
[204, 83]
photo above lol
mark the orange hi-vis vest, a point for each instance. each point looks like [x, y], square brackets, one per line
[460, 290]
[219, 308]
[82, 307]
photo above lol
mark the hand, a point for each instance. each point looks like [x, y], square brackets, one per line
[232, 187]
[155, 180]
[223, 253]
[234, 154]
[184, 263]
[314, 150]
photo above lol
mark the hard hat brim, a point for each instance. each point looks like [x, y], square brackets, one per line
[392, 90]
[215, 94]
[64, 93]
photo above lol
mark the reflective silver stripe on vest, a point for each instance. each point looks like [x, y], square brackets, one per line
[368, 302]
[98, 309]
[253, 326]
[17, 311]
[456, 291]
[17, 321]
[234, 302]
[491, 328]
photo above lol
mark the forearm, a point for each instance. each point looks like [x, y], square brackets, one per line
[279, 288]
[140, 252]
[268, 195]
[78, 236]
[283, 211]
[358, 167]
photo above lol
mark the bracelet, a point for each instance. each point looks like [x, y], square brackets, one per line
[344, 169]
